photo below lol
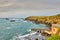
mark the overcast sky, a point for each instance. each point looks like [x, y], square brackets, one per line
[23, 8]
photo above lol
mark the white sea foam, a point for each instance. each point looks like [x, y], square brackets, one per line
[27, 34]
[8, 28]
[24, 21]
[29, 30]
[15, 37]
[19, 37]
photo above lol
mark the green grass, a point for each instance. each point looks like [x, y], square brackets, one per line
[55, 37]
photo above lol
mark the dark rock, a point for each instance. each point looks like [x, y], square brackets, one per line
[12, 20]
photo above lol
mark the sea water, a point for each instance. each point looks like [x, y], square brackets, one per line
[9, 29]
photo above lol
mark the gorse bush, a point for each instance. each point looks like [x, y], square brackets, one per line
[56, 37]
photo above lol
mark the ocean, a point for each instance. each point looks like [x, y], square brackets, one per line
[9, 28]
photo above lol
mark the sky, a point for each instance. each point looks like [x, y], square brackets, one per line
[25, 8]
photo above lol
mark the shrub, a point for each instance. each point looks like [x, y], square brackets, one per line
[56, 37]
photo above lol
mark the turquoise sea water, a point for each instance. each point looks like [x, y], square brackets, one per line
[10, 29]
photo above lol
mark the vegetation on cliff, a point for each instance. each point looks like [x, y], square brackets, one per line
[55, 19]
[55, 37]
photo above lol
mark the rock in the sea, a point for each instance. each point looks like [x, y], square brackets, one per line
[12, 20]
[7, 18]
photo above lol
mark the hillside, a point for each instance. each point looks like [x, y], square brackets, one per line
[55, 19]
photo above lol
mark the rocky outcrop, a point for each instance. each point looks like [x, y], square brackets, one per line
[48, 20]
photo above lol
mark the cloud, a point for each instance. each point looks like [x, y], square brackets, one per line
[5, 3]
[28, 13]
[28, 7]
[31, 5]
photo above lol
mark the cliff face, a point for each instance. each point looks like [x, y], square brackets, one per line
[45, 19]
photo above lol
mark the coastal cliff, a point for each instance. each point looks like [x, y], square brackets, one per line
[55, 19]
[49, 21]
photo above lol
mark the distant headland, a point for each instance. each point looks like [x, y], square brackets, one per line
[55, 19]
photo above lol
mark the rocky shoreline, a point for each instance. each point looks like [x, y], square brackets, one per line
[48, 20]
